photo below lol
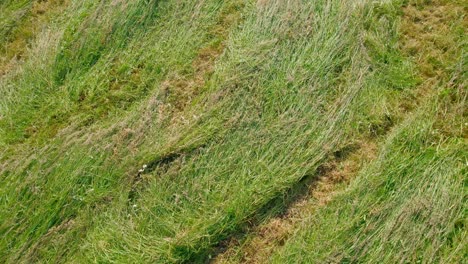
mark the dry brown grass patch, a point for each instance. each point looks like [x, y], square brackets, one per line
[40, 14]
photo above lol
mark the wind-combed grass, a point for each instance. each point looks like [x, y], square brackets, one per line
[407, 206]
[276, 137]
[227, 103]
[58, 171]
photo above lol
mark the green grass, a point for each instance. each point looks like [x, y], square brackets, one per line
[20, 23]
[13, 13]
[228, 103]
[407, 206]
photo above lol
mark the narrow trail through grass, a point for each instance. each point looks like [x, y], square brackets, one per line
[262, 240]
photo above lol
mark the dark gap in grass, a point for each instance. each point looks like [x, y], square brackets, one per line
[163, 163]
[345, 151]
[382, 126]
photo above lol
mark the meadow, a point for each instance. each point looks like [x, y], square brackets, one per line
[154, 131]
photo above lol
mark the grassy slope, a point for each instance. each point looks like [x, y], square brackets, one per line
[380, 216]
[409, 205]
[229, 104]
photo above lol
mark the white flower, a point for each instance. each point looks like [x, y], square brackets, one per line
[141, 170]
[144, 166]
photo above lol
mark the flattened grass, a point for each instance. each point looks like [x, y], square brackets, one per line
[228, 105]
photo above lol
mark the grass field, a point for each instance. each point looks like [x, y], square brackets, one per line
[155, 131]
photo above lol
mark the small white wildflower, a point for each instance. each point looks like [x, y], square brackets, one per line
[141, 170]
[144, 166]
[77, 197]
[134, 206]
